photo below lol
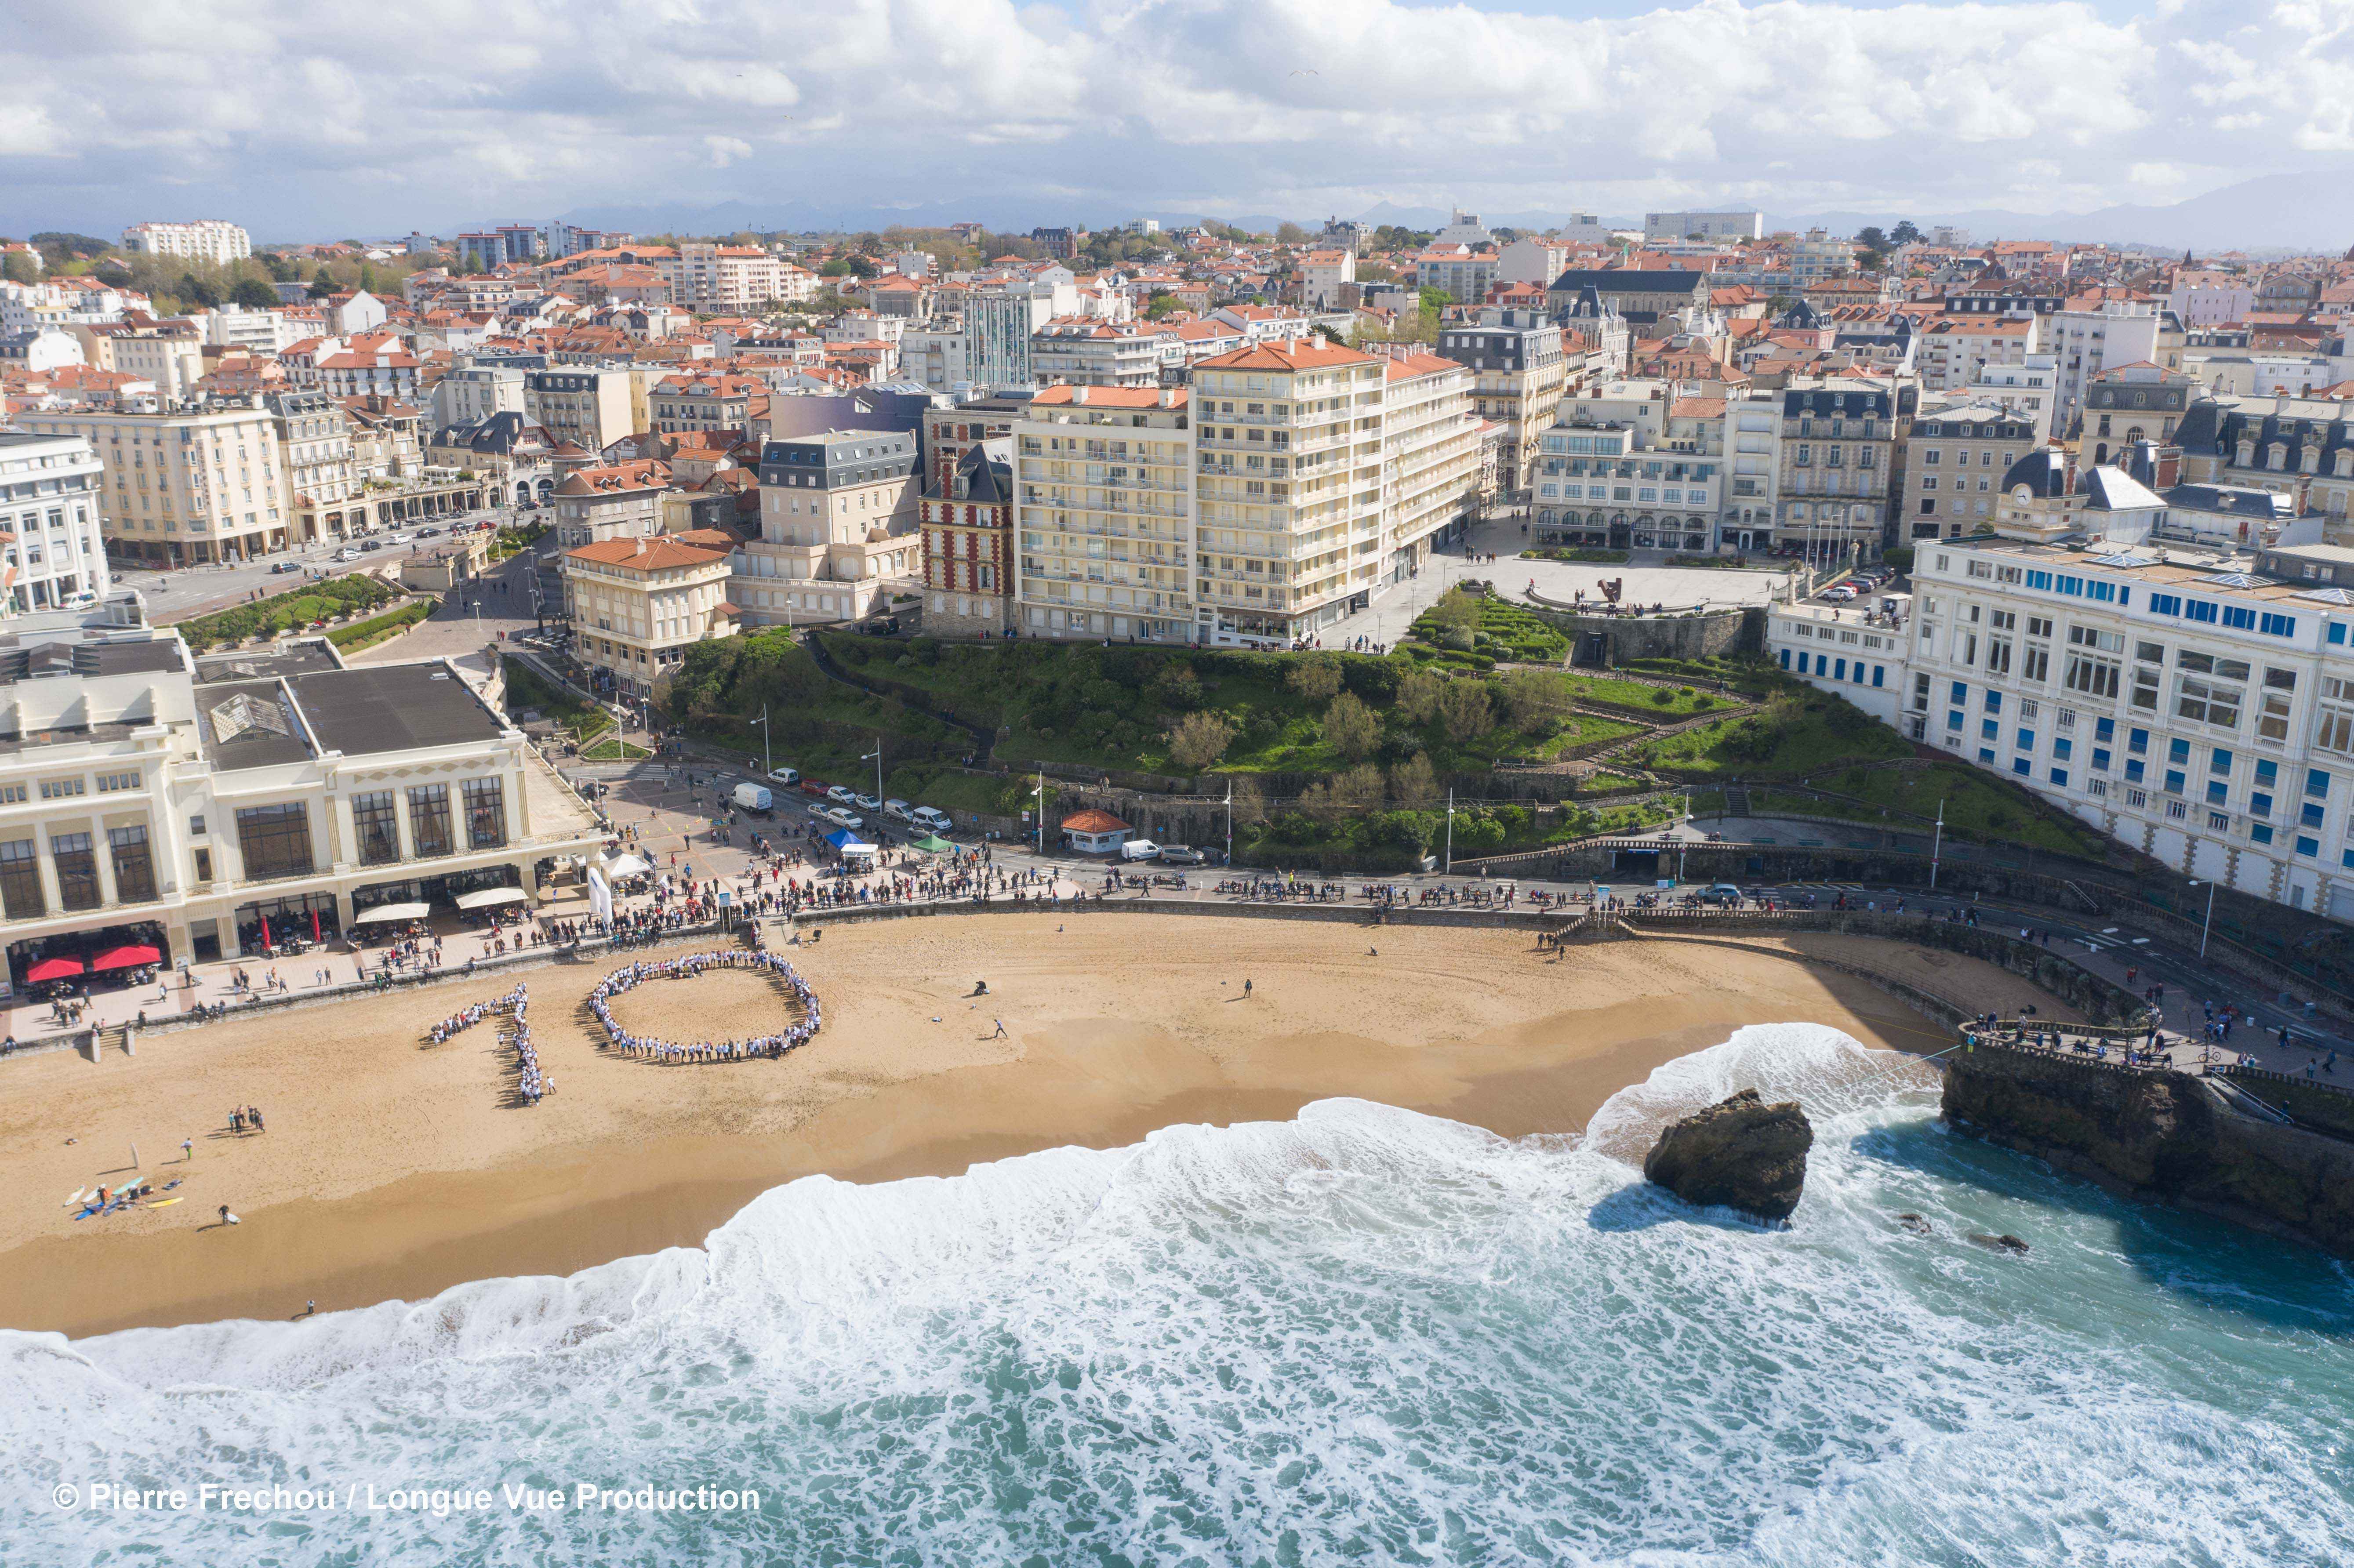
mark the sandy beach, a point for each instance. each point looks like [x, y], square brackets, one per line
[394, 1170]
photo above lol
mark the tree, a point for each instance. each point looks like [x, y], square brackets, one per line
[1177, 688]
[1414, 783]
[18, 268]
[1418, 695]
[1314, 679]
[320, 285]
[253, 294]
[193, 290]
[369, 282]
[1158, 304]
[837, 267]
[1873, 238]
[1464, 711]
[1349, 727]
[1904, 234]
[865, 267]
[1199, 739]
[1533, 699]
[1289, 233]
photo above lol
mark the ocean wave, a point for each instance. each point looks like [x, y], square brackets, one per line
[1361, 1334]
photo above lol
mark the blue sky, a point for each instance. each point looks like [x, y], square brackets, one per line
[332, 117]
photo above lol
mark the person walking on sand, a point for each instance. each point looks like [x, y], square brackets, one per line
[187, 1150]
[1247, 987]
[1000, 1029]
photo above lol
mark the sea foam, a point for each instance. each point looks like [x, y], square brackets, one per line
[1360, 1335]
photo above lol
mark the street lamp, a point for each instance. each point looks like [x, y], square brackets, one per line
[2206, 929]
[767, 763]
[876, 757]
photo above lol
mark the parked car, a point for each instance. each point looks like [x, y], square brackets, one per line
[1181, 854]
[840, 794]
[371, 543]
[841, 817]
[1839, 595]
[899, 809]
[1723, 892]
[930, 819]
[817, 786]
[1139, 849]
[284, 566]
[866, 803]
[428, 533]
[787, 775]
[348, 554]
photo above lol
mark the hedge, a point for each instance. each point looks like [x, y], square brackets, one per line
[360, 633]
[286, 612]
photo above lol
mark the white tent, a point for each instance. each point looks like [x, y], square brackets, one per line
[628, 865]
[391, 912]
[488, 897]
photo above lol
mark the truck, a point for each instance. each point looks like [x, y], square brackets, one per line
[753, 797]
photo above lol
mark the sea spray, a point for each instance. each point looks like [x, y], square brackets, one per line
[1363, 1334]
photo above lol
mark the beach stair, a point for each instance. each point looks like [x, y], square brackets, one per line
[1736, 800]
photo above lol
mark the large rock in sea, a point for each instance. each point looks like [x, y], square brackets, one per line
[1740, 1152]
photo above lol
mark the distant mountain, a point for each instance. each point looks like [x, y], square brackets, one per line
[2273, 212]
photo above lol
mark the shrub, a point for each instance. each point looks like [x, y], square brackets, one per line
[1197, 740]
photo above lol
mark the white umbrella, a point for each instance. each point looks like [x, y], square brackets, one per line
[485, 897]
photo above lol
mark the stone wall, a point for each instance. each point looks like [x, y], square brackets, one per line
[1615, 638]
[2165, 1135]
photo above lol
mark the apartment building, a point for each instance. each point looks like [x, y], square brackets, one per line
[708, 402]
[1633, 466]
[2131, 404]
[1956, 456]
[591, 406]
[1705, 226]
[1751, 485]
[933, 353]
[1955, 350]
[2095, 338]
[609, 501]
[839, 525]
[998, 324]
[2201, 712]
[1463, 270]
[952, 429]
[1433, 460]
[52, 552]
[1104, 514]
[182, 486]
[969, 544]
[1323, 274]
[713, 278]
[636, 605]
[2027, 388]
[469, 394]
[169, 354]
[1519, 371]
[217, 808]
[1290, 500]
[2300, 447]
[1838, 453]
[207, 240]
[316, 463]
[1087, 351]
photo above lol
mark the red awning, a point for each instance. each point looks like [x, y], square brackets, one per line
[52, 968]
[127, 957]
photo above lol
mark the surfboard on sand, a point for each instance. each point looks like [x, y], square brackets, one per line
[164, 1203]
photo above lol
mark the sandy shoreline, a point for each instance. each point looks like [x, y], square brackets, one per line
[391, 1171]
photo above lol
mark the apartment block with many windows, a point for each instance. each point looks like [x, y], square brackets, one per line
[51, 553]
[1104, 514]
[182, 486]
[2201, 712]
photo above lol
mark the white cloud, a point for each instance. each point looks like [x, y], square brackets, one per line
[304, 118]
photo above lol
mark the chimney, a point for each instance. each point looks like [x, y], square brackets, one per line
[1169, 396]
[1079, 394]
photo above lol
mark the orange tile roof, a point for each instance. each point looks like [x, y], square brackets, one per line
[1295, 354]
[1111, 397]
[661, 552]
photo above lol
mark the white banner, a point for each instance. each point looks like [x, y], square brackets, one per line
[600, 896]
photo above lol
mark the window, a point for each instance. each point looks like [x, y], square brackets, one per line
[77, 871]
[2317, 784]
[374, 822]
[60, 788]
[2035, 664]
[2145, 688]
[112, 783]
[486, 816]
[20, 881]
[2208, 702]
[429, 821]
[275, 839]
[2094, 677]
[2335, 732]
[134, 868]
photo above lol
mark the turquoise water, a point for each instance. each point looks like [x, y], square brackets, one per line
[1364, 1336]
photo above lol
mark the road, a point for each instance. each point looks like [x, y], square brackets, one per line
[186, 592]
[468, 620]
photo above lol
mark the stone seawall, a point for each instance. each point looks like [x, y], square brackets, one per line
[2165, 1135]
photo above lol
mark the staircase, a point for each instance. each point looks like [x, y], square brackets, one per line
[1736, 799]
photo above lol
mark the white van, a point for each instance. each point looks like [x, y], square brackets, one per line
[930, 819]
[1139, 849]
[898, 809]
[753, 797]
